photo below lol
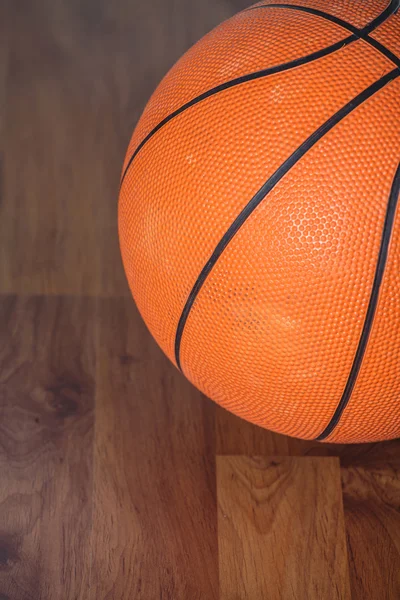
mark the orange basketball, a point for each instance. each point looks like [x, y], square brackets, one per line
[258, 217]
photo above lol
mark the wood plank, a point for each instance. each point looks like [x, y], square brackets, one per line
[154, 523]
[281, 529]
[371, 497]
[236, 436]
[46, 425]
[74, 77]
[4, 47]
[79, 74]
[64, 151]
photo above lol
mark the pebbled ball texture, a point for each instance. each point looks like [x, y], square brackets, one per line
[272, 327]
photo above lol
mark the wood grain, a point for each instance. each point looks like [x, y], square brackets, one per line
[154, 523]
[107, 455]
[46, 427]
[371, 498]
[281, 529]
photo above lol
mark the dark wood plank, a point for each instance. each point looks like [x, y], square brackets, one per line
[4, 48]
[46, 425]
[79, 74]
[371, 498]
[64, 149]
[281, 529]
[154, 523]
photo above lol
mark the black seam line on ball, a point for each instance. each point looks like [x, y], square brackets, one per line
[264, 191]
[390, 10]
[372, 306]
[357, 34]
[360, 33]
[237, 81]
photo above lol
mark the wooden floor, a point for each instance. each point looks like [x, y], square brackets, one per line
[118, 480]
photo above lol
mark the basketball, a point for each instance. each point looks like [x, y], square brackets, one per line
[259, 223]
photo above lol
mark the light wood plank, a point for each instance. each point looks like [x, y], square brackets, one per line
[46, 426]
[154, 524]
[281, 529]
[371, 498]
[236, 436]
